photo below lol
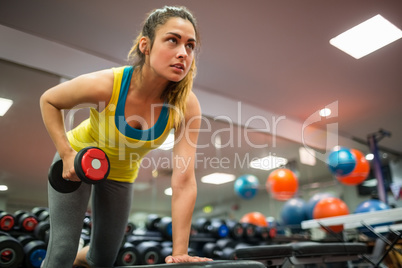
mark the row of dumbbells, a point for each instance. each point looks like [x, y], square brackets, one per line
[217, 239]
[207, 230]
[136, 251]
[23, 238]
[240, 231]
[154, 252]
[23, 221]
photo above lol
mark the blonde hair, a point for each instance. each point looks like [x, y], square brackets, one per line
[176, 93]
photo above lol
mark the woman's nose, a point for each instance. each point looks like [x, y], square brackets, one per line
[182, 53]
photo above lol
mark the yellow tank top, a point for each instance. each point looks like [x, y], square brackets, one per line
[125, 146]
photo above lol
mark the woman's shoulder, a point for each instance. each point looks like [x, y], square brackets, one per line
[94, 78]
[193, 107]
[98, 84]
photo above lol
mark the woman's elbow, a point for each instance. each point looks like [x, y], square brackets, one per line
[44, 99]
[184, 183]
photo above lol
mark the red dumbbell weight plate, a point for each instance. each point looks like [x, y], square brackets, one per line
[92, 165]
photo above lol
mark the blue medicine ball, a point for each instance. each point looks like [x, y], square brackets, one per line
[341, 161]
[371, 206]
[293, 211]
[246, 186]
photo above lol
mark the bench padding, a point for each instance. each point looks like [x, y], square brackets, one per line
[211, 264]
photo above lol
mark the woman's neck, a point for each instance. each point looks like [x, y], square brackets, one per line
[146, 85]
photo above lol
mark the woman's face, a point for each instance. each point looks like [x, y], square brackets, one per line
[173, 50]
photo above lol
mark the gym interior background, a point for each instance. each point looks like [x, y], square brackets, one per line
[259, 59]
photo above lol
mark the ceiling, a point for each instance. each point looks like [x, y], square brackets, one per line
[272, 55]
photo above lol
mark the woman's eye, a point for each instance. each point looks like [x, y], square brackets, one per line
[172, 40]
[191, 46]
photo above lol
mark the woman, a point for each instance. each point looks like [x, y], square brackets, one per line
[133, 109]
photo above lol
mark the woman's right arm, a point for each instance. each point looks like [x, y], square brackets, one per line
[83, 91]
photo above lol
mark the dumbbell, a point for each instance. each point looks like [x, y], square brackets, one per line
[41, 213]
[249, 230]
[34, 250]
[35, 253]
[7, 221]
[25, 220]
[212, 250]
[149, 252]
[265, 233]
[128, 255]
[42, 230]
[130, 228]
[11, 251]
[91, 165]
[236, 229]
[160, 224]
[215, 227]
[226, 243]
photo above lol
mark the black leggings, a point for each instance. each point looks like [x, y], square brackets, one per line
[111, 202]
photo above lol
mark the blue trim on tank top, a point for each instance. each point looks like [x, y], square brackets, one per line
[120, 119]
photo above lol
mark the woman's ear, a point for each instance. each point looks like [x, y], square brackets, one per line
[144, 45]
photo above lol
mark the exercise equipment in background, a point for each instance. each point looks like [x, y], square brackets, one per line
[293, 212]
[310, 205]
[282, 183]
[370, 206]
[360, 171]
[341, 161]
[330, 207]
[246, 186]
[256, 218]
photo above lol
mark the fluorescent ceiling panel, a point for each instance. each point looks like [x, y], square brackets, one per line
[218, 178]
[5, 104]
[268, 162]
[367, 37]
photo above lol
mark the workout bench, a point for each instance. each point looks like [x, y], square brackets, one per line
[301, 253]
[210, 264]
[367, 219]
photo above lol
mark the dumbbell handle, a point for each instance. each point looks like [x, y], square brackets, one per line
[91, 165]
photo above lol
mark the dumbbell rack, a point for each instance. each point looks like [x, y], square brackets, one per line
[25, 244]
[23, 238]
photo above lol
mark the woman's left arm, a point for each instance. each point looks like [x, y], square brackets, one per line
[183, 182]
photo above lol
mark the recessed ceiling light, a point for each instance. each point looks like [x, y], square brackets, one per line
[5, 104]
[369, 157]
[3, 188]
[218, 178]
[268, 162]
[370, 183]
[367, 37]
[325, 112]
[168, 191]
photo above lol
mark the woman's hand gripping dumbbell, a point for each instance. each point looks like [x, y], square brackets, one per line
[91, 165]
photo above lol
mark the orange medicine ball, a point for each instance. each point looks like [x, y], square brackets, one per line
[255, 218]
[282, 183]
[359, 173]
[331, 207]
